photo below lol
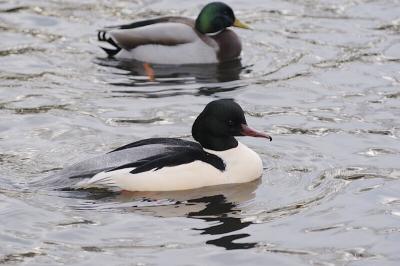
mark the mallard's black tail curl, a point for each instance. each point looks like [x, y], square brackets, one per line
[101, 36]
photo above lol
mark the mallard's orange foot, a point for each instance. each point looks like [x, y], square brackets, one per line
[149, 71]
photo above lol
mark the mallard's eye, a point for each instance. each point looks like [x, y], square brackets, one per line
[230, 122]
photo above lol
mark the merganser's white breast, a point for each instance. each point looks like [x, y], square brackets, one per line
[241, 165]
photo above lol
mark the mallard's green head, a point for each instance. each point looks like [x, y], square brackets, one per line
[217, 16]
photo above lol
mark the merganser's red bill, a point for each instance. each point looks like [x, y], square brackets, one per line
[248, 131]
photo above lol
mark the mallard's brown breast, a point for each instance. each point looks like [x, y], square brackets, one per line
[229, 45]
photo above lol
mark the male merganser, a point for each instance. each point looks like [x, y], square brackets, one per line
[168, 164]
[178, 40]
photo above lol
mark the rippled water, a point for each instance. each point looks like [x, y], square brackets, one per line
[322, 77]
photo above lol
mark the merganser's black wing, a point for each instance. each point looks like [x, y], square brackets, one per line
[138, 151]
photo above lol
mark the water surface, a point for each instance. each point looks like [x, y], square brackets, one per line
[322, 77]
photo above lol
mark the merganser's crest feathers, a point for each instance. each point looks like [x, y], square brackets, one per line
[217, 125]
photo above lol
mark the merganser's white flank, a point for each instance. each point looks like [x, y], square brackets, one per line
[167, 164]
[242, 165]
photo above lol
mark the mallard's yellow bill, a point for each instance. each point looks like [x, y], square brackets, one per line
[239, 24]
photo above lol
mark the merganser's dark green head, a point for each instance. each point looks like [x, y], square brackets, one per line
[217, 125]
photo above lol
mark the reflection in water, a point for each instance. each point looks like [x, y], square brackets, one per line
[133, 72]
[170, 92]
[218, 210]
[220, 204]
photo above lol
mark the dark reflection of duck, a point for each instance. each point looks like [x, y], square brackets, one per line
[134, 74]
[212, 204]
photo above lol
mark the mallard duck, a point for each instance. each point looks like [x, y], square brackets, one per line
[167, 164]
[178, 40]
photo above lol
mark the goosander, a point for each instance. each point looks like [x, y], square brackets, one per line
[171, 164]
